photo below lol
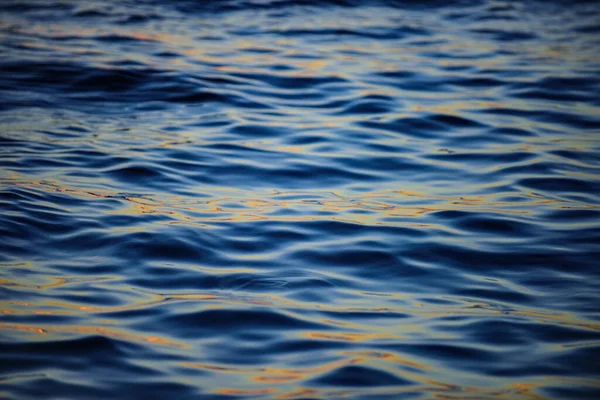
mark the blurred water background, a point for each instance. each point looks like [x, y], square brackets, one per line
[293, 199]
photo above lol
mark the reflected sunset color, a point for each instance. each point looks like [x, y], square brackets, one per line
[273, 199]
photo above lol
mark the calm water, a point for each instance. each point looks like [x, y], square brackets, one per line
[290, 199]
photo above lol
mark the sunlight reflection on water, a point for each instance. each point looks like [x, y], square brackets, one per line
[278, 199]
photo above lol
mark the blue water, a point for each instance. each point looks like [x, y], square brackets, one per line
[290, 199]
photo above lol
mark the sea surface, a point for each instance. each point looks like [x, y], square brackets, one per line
[294, 199]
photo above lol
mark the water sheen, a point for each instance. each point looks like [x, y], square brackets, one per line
[289, 199]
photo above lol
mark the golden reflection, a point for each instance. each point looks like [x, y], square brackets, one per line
[245, 392]
[526, 389]
[299, 392]
[277, 375]
[115, 333]
[350, 336]
[380, 205]
[222, 299]
[58, 31]
[54, 282]
[389, 357]
[458, 107]
[563, 318]
[434, 390]
[279, 378]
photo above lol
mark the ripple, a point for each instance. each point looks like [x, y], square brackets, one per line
[299, 199]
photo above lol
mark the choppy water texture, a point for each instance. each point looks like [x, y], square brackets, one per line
[299, 200]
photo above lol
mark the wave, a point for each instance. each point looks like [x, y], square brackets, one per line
[291, 199]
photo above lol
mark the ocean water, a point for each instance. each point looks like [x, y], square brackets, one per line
[292, 199]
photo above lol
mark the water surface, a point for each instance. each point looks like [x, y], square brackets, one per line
[290, 199]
